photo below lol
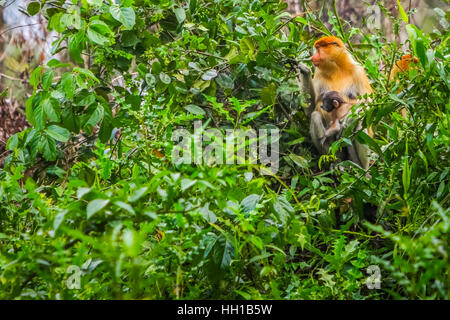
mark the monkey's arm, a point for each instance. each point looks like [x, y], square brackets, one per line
[306, 85]
[317, 131]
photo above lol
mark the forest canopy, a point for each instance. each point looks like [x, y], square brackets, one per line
[93, 205]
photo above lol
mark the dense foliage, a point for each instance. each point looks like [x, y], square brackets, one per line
[91, 187]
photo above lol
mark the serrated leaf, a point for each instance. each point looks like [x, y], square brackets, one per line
[49, 110]
[58, 133]
[47, 79]
[47, 147]
[283, 209]
[68, 84]
[35, 77]
[249, 203]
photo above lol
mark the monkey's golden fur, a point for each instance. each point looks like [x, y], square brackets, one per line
[336, 70]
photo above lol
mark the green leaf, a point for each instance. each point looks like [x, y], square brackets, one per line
[366, 139]
[33, 8]
[35, 77]
[299, 160]
[406, 175]
[47, 79]
[106, 128]
[125, 206]
[68, 83]
[249, 203]
[208, 214]
[95, 117]
[76, 46]
[180, 14]
[192, 6]
[440, 189]
[95, 206]
[164, 78]
[124, 15]
[39, 117]
[268, 94]
[47, 147]
[86, 72]
[12, 142]
[247, 47]
[283, 209]
[402, 12]
[49, 110]
[59, 218]
[209, 75]
[58, 133]
[192, 108]
[95, 3]
[137, 194]
[98, 32]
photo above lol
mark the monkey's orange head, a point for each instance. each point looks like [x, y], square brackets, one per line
[327, 49]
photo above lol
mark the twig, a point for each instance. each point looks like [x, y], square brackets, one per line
[25, 25]
[12, 78]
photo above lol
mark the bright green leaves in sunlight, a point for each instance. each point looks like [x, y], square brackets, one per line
[402, 12]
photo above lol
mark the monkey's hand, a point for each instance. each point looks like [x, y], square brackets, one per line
[322, 141]
[304, 69]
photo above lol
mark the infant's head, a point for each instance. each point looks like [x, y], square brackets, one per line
[331, 100]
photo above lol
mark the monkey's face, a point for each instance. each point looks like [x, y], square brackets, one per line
[326, 50]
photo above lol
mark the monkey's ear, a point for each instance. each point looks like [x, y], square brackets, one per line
[335, 103]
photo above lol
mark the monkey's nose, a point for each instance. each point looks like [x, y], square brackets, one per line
[315, 59]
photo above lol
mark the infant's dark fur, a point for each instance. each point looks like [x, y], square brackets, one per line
[331, 100]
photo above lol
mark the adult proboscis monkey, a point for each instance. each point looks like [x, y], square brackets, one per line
[336, 70]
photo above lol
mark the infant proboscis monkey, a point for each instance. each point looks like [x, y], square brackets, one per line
[339, 108]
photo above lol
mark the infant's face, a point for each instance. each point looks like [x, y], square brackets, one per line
[328, 105]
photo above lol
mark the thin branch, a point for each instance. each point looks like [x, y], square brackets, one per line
[25, 25]
[12, 78]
